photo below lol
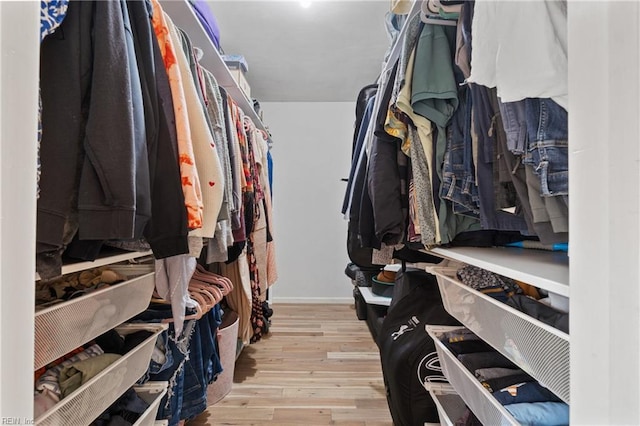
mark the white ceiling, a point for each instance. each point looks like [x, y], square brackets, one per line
[324, 53]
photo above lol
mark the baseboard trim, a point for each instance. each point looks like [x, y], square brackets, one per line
[318, 300]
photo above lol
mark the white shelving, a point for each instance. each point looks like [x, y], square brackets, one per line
[374, 299]
[101, 261]
[152, 393]
[524, 340]
[450, 406]
[86, 403]
[488, 410]
[184, 17]
[548, 270]
[65, 326]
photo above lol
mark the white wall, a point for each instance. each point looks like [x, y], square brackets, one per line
[312, 150]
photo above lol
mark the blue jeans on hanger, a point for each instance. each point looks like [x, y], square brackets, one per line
[194, 388]
[514, 119]
[458, 175]
[491, 192]
[548, 148]
[203, 364]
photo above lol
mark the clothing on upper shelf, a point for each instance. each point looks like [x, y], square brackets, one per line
[479, 279]
[75, 285]
[208, 20]
[484, 170]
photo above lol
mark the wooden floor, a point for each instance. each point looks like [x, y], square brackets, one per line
[318, 366]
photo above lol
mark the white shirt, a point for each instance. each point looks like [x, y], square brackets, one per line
[520, 47]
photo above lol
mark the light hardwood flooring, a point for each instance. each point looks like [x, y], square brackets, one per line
[318, 366]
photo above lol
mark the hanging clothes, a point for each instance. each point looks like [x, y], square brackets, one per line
[529, 67]
[142, 179]
[270, 274]
[189, 174]
[206, 157]
[420, 143]
[434, 96]
[81, 160]
[52, 13]
[166, 231]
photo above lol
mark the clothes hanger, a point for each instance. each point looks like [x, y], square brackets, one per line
[430, 15]
[201, 299]
[211, 294]
[222, 280]
[202, 274]
[215, 289]
[428, 19]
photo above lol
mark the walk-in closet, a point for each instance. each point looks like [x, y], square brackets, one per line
[325, 212]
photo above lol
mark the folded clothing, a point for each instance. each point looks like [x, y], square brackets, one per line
[525, 392]
[540, 311]
[49, 381]
[502, 382]
[540, 413]
[79, 373]
[125, 411]
[463, 341]
[497, 372]
[75, 285]
[478, 279]
[112, 342]
[39, 372]
[478, 360]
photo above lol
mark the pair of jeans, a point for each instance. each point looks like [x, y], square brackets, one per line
[173, 368]
[514, 120]
[548, 148]
[216, 364]
[488, 127]
[458, 175]
[194, 387]
[203, 364]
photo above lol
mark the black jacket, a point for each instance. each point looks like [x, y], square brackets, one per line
[383, 176]
[87, 147]
[167, 229]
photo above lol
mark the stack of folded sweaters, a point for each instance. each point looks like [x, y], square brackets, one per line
[528, 401]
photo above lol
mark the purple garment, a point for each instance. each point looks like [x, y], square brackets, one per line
[208, 20]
